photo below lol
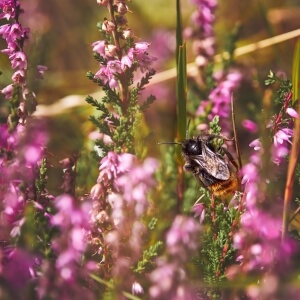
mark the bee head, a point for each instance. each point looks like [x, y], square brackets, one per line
[191, 147]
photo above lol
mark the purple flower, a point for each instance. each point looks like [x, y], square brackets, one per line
[19, 77]
[169, 281]
[141, 56]
[183, 237]
[199, 210]
[282, 135]
[108, 26]
[8, 8]
[107, 73]
[7, 91]
[127, 60]
[99, 47]
[291, 112]
[18, 269]
[13, 32]
[102, 2]
[41, 71]
[18, 60]
[137, 289]
[249, 125]
[114, 66]
[108, 167]
[256, 145]
[280, 147]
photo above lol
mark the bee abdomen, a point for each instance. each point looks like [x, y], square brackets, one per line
[225, 188]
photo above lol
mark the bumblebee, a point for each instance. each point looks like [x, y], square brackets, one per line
[208, 166]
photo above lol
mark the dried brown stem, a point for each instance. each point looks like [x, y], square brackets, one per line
[293, 161]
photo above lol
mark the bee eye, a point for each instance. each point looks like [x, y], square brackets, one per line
[194, 148]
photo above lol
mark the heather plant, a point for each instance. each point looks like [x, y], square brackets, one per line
[146, 229]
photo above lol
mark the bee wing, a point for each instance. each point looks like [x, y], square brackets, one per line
[212, 163]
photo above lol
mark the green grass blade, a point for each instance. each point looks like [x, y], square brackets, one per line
[296, 72]
[179, 39]
[111, 286]
[181, 92]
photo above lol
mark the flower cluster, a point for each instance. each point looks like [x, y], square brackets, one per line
[280, 124]
[202, 31]
[16, 37]
[258, 241]
[283, 134]
[219, 99]
[169, 280]
[129, 182]
[116, 59]
[21, 154]
[62, 279]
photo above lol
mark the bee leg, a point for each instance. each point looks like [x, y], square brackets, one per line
[229, 155]
[188, 167]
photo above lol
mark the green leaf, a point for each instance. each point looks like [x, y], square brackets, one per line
[147, 103]
[296, 72]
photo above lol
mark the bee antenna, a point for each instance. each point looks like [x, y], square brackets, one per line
[169, 143]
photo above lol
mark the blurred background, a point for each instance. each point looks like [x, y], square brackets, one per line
[61, 36]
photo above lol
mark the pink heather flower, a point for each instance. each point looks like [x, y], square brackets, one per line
[291, 112]
[73, 221]
[18, 60]
[8, 9]
[199, 211]
[122, 8]
[205, 47]
[282, 135]
[126, 61]
[13, 32]
[18, 270]
[108, 167]
[169, 281]
[250, 173]
[32, 153]
[68, 214]
[136, 182]
[104, 49]
[142, 46]
[202, 31]
[249, 126]
[127, 33]
[102, 2]
[141, 56]
[110, 50]
[108, 26]
[7, 91]
[256, 145]
[220, 99]
[106, 74]
[99, 47]
[279, 152]
[106, 77]
[137, 289]
[113, 164]
[41, 71]
[114, 66]
[182, 238]
[19, 77]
